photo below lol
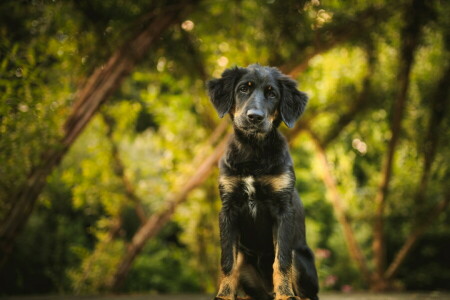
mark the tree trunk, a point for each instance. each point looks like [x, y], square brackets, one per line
[101, 84]
[409, 42]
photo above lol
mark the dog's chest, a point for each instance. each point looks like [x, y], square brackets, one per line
[249, 190]
[255, 191]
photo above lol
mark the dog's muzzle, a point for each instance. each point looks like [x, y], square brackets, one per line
[255, 116]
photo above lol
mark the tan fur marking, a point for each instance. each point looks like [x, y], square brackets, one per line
[278, 182]
[249, 185]
[228, 183]
[277, 276]
[238, 112]
[274, 116]
[224, 298]
[231, 281]
[281, 281]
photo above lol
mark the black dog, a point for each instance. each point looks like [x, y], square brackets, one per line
[262, 226]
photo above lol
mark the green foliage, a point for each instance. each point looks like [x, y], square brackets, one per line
[164, 266]
[43, 251]
[201, 233]
[96, 267]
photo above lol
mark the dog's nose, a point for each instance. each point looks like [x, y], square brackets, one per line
[255, 115]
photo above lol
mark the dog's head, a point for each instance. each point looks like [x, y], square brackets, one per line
[258, 98]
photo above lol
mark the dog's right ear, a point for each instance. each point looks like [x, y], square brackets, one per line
[221, 91]
[293, 101]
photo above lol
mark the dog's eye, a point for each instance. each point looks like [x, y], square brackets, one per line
[271, 94]
[244, 89]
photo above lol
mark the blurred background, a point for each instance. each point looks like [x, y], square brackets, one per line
[109, 145]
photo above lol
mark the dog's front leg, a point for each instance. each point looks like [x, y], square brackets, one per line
[282, 266]
[231, 260]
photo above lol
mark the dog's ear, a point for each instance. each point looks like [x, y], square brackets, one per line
[221, 91]
[293, 101]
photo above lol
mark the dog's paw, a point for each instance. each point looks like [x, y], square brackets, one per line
[288, 298]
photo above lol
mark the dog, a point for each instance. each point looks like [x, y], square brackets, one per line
[262, 223]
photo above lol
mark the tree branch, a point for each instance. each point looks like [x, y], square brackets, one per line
[358, 106]
[119, 170]
[337, 202]
[336, 33]
[415, 235]
[409, 42]
[101, 84]
[158, 220]
[439, 103]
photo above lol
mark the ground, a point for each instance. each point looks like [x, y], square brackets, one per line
[323, 296]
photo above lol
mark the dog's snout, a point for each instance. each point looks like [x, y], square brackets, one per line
[255, 115]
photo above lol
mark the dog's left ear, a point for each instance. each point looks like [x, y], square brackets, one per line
[221, 91]
[293, 101]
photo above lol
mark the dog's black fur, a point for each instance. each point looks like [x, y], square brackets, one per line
[262, 227]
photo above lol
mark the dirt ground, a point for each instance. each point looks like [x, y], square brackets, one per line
[323, 296]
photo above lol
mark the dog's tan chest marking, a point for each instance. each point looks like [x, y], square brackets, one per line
[249, 186]
[277, 183]
[228, 183]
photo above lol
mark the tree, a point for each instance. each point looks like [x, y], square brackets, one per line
[98, 87]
